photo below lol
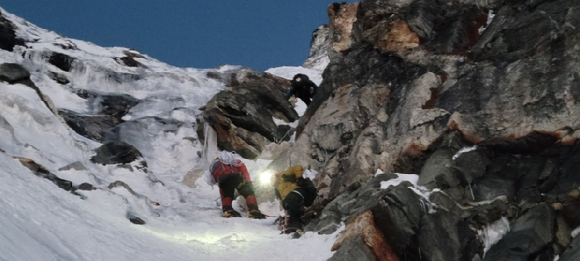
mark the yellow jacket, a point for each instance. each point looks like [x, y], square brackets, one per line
[286, 181]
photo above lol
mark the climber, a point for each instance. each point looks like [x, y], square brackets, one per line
[302, 88]
[230, 173]
[296, 193]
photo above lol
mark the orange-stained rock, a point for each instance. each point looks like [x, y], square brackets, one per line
[465, 125]
[399, 38]
[364, 226]
[32, 165]
[342, 17]
[557, 206]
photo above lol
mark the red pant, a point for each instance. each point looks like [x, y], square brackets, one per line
[228, 183]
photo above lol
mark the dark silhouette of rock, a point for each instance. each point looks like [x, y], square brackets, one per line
[444, 236]
[437, 171]
[93, 127]
[122, 184]
[137, 220]
[61, 61]
[8, 37]
[354, 249]
[530, 237]
[12, 73]
[16, 74]
[242, 114]
[128, 61]
[107, 113]
[116, 153]
[41, 171]
[284, 133]
[573, 252]
[86, 186]
[59, 78]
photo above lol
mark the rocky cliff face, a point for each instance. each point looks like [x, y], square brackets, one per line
[478, 98]
[412, 84]
[318, 56]
[243, 114]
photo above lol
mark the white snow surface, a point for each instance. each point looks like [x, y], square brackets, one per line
[40, 221]
[495, 231]
[288, 72]
[490, 16]
[413, 178]
[464, 150]
[575, 232]
[423, 192]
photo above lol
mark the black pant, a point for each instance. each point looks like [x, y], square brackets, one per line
[305, 97]
[228, 183]
[293, 203]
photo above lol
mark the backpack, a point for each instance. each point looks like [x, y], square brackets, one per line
[221, 171]
[311, 191]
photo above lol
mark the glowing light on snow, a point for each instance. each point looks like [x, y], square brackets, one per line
[187, 238]
[266, 177]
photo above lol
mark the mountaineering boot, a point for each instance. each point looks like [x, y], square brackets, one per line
[291, 230]
[294, 223]
[256, 214]
[231, 213]
[296, 235]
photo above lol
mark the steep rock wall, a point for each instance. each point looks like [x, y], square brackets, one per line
[387, 107]
[477, 97]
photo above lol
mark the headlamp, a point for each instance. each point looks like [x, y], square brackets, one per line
[266, 177]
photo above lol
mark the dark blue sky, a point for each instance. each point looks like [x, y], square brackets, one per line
[187, 33]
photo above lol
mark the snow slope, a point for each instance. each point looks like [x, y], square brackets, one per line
[40, 221]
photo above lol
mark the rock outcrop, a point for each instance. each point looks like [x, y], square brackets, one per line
[119, 153]
[42, 172]
[477, 97]
[8, 37]
[13, 73]
[318, 56]
[242, 115]
[364, 227]
[107, 111]
[529, 237]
